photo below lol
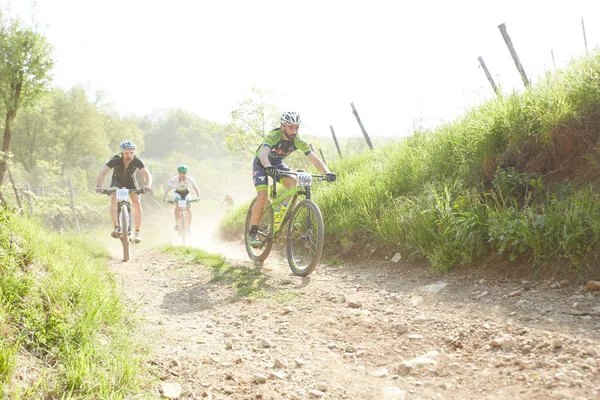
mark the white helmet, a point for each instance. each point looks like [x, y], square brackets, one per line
[290, 117]
[128, 144]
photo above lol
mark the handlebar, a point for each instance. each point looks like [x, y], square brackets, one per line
[295, 174]
[189, 201]
[111, 191]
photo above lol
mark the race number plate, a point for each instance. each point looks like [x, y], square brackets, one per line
[304, 179]
[182, 203]
[122, 194]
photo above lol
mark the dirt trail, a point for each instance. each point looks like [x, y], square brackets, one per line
[378, 331]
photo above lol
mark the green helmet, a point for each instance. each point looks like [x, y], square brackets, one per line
[182, 168]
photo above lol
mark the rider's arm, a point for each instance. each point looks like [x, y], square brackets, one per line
[264, 156]
[167, 190]
[319, 165]
[197, 189]
[147, 175]
[101, 175]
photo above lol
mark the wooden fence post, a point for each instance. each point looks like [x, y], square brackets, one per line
[553, 62]
[335, 140]
[489, 76]
[312, 148]
[362, 127]
[584, 38]
[29, 199]
[323, 157]
[12, 182]
[514, 55]
[75, 219]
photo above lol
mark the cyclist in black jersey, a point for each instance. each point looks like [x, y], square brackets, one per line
[124, 166]
[277, 145]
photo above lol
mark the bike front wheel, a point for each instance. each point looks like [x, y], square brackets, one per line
[125, 231]
[305, 237]
[183, 228]
[265, 234]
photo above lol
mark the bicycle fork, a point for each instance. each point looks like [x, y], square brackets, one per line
[119, 208]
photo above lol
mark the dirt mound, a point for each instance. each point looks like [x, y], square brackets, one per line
[570, 154]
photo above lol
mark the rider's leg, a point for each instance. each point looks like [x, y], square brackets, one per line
[176, 197]
[177, 215]
[261, 183]
[113, 209]
[288, 183]
[137, 211]
[259, 207]
[257, 214]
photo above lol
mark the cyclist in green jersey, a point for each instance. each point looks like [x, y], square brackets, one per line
[277, 145]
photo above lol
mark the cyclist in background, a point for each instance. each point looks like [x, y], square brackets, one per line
[227, 202]
[124, 166]
[277, 145]
[182, 183]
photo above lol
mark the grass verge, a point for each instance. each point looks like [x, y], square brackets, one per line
[63, 329]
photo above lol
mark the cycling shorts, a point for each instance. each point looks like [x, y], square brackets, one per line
[182, 194]
[259, 175]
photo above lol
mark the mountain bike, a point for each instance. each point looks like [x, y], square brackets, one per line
[183, 216]
[303, 222]
[124, 216]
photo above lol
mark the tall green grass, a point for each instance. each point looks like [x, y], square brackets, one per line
[61, 311]
[456, 194]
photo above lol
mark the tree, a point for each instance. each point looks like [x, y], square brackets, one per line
[25, 63]
[180, 131]
[33, 135]
[251, 121]
[78, 129]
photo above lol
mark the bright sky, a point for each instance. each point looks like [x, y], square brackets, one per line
[399, 62]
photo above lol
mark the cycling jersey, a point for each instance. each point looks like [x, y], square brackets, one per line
[182, 185]
[281, 148]
[124, 177]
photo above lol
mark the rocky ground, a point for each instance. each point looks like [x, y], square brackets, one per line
[369, 331]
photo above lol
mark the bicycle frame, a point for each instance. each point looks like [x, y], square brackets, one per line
[124, 206]
[276, 200]
[302, 222]
[182, 205]
[123, 202]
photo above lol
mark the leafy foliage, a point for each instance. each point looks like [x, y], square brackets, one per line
[251, 121]
[25, 63]
[182, 132]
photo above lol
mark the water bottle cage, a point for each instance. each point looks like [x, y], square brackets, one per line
[279, 215]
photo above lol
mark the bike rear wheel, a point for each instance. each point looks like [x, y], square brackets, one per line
[305, 237]
[125, 231]
[265, 233]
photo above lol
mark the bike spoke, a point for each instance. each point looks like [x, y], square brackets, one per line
[305, 238]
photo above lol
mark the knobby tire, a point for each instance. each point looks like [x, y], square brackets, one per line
[183, 224]
[265, 231]
[299, 238]
[125, 231]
